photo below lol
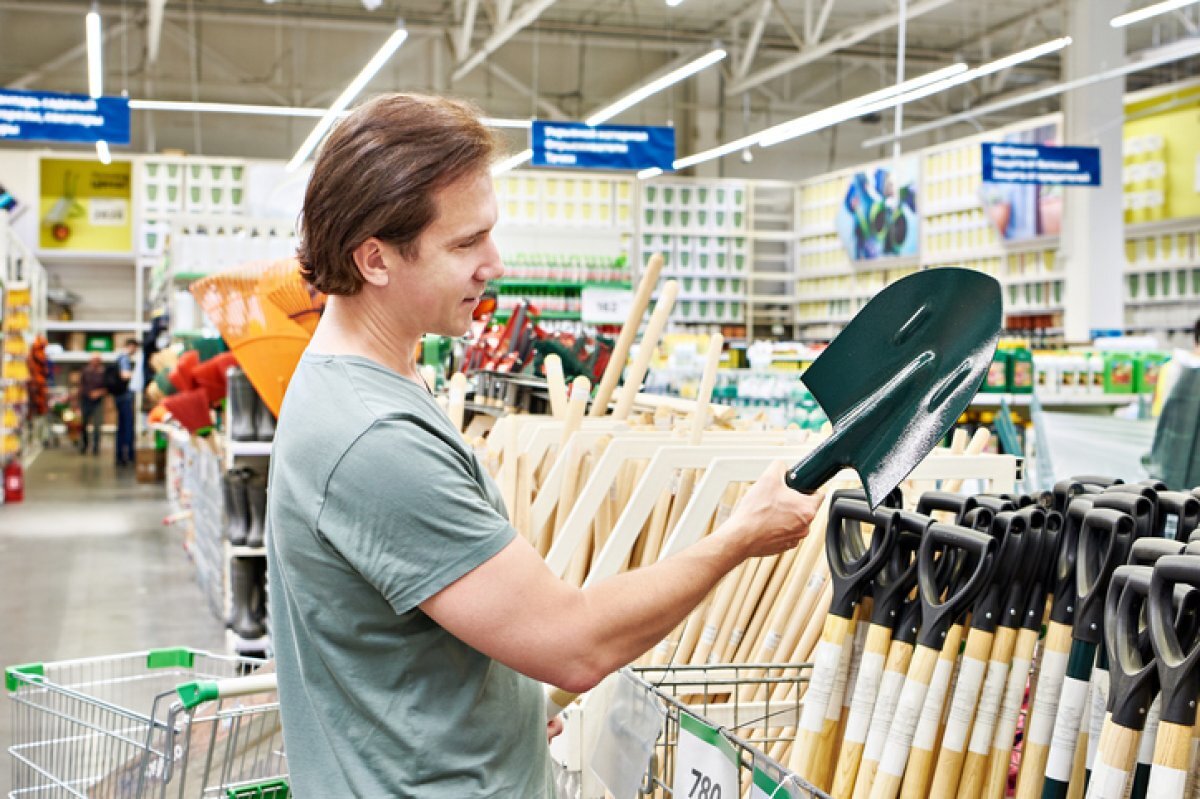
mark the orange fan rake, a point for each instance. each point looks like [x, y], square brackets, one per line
[266, 313]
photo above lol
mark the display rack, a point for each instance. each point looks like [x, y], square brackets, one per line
[24, 317]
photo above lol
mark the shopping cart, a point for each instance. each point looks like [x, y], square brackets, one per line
[164, 723]
[753, 707]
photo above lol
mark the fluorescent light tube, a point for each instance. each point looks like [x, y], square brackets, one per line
[649, 172]
[843, 111]
[281, 111]
[825, 119]
[103, 153]
[348, 94]
[94, 54]
[1149, 11]
[512, 162]
[655, 86]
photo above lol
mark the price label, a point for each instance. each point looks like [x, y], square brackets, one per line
[765, 787]
[601, 306]
[706, 763]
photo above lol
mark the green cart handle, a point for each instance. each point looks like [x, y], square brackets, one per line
[200, 691]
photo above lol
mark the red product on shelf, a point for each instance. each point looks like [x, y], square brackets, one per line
[14, 481]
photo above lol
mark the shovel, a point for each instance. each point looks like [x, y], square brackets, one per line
[1178, 664]
[1104, 544]
[1052, 672]
[1181, 514]
[899, 375]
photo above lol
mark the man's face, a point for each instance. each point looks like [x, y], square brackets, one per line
[456, 257]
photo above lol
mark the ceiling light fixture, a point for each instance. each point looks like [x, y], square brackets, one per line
[347, 96]
[1141, 14]
[512, 162]
[95, 56]
[103, 153]
[281, 111]
[656, 86]
[649, 172]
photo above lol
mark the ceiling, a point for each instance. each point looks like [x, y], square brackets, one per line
[556, 59]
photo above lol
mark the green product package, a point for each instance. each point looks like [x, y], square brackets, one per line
[1119, 373]
[996, 381]
[1020, 371]
[1148, 367]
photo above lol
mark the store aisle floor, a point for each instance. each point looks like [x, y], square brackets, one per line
[87, 568]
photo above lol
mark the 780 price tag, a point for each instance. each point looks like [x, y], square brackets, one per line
[706, 763]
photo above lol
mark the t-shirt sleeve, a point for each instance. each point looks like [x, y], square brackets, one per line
[405, 509]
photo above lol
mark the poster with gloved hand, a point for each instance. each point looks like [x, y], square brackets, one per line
[878, 216]
[85, 206]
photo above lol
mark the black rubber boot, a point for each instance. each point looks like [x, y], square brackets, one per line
[237, 514]
[245, 590]
[239, 405]
[256, 499]
[264, 420]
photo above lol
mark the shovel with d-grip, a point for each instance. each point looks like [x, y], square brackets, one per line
[891, 585]
[1044, 551]
[937, 614]
[1009, 529]
[974, 772]
[1104, 542]
[1178, 662]
[852, 565]
[1055, 652]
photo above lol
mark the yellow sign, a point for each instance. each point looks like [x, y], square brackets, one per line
[86, 206]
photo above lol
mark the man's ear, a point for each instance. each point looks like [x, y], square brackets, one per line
[372, 257]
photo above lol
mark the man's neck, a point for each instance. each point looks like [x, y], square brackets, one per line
[353, 326]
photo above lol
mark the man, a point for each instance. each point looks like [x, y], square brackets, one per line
[411, 624]
[122, 394]
[91, 402]
[1174, 455]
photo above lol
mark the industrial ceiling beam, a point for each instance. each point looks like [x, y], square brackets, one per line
[215, 59]
[529, 11]
[551, 110]
[752, 41]
[818, 29]
[66, 57]
[839, 41]
[462, 42]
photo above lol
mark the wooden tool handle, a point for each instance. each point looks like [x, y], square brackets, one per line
[654, 330]
[620, 353]
[977, 444]
[556, 385]
[1115, 758]
[1169, 774]
[458, 400]
[707, 380]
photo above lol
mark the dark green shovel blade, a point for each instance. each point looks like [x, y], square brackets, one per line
[899, 375]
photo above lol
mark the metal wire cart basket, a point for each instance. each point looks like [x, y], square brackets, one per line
[752, 708]
[163, 723]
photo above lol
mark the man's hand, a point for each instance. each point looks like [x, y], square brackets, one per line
[554, 728]
[773, 518]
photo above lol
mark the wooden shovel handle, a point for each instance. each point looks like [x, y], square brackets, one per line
[556, 385]
[612, 372]
[654, 331]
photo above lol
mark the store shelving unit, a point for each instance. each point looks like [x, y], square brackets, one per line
[24, 316]
[1162, 277]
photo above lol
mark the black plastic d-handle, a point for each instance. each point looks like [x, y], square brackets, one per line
[898, 577]
[1178, 661]
[1064, 492]
[1181, 513]
[1103, 546]
[1134, 678]
[1138, 506]
[1063, 584]
[947, 502]
[1044, 569]
[1028, 568]
[1009, 529]
[1147, 551]
[1099, 481]
[851, 572]
[937, 614]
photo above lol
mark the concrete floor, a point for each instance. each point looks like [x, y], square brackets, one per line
[88, 568]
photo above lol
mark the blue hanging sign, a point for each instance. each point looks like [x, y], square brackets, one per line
[50, 116]
[1041, 164]
[578, 146]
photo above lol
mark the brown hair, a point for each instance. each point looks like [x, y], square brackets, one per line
[377, 174]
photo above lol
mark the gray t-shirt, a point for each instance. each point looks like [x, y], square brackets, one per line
[376, 504]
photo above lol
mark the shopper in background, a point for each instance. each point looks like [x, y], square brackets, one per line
[411, 623]
[122, 394]
[1174, 455]
[91, 402]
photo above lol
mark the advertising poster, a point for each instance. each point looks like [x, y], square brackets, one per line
[85, 206]
[878, 216]
[1021, 211]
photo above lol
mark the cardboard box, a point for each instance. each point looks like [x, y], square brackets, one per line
[150, 465]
